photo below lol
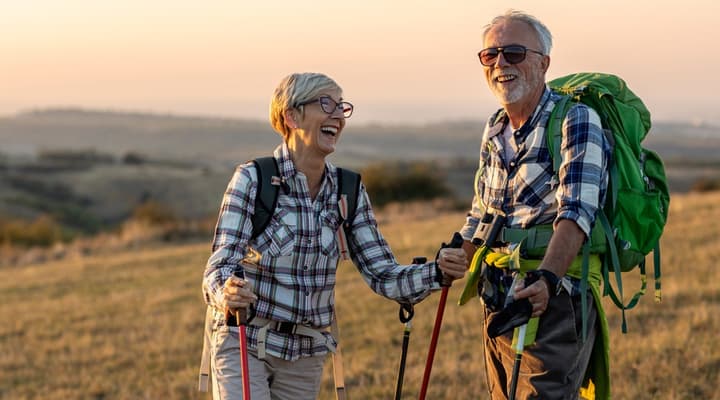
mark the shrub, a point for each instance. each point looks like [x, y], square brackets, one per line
[404, 181]
[705, 185]
[153, 212]
[133, 159]
[43, 231]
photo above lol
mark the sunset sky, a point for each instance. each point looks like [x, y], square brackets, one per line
[397, 61]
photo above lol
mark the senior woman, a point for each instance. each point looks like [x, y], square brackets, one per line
[290, 268]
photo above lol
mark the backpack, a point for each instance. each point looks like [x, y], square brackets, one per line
[631, 221]
[269, 183]
[267, 194]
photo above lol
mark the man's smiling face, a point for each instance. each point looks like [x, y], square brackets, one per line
[514, 83]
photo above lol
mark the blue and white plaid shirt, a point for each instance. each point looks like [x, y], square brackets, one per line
[292, 264]
[525, 188]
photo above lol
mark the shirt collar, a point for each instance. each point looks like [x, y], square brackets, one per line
[287, 166]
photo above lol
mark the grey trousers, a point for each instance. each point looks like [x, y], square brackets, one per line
[270, 379]
[553, 367]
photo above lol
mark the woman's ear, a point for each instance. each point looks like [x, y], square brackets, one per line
[290, 119]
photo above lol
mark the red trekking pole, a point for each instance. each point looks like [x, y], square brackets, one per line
[456, 242]
[240, 320]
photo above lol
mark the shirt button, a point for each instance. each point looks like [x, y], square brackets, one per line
[512, 163]
[307, 293]
[306, 267]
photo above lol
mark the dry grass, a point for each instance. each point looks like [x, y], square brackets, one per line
[129, 325]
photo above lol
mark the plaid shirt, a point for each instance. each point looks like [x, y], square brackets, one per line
[292, 264]
[525, 188]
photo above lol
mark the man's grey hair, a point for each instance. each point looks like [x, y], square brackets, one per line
[293, 90]
[542, 31]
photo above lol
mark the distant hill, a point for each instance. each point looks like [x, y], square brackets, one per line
[214, 141]
[91, 168]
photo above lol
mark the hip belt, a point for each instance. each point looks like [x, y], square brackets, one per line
[289, 328]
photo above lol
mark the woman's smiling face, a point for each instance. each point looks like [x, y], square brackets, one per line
[316, 129]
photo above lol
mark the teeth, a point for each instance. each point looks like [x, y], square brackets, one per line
[505, 78]
[329, 130]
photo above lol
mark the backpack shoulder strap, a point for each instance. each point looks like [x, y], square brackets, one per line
[553, 131]
[267, 193]
[348, 192]
[349, 185]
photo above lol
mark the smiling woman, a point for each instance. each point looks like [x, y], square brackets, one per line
[287, 272]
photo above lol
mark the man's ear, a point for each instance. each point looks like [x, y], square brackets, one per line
[290, 119]
[545, 63]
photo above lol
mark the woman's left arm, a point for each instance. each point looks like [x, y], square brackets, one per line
[374, 259]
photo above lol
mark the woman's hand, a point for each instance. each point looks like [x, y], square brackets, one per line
[453, 262]
[237, 294]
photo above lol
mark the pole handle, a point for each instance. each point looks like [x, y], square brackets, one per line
[239, 317]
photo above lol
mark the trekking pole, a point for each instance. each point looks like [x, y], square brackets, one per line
[338, 371]
[406, 313]
[518, 358]
[456, 242]
[518, 307]
[240, 320]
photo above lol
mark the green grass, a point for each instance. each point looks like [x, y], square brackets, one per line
[129, 325]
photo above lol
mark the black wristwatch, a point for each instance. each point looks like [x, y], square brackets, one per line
[554, 283]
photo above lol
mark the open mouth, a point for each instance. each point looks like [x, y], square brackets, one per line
[505, 78]
[329, 130]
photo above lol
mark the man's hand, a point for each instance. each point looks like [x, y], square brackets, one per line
[538, 293]
[453, 262]
[237, 294]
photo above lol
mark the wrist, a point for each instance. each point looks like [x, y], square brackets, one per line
[552, 281]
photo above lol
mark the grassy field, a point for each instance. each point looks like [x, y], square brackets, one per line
[129, 325]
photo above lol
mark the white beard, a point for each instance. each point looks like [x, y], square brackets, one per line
[519, 88]
[512, 95]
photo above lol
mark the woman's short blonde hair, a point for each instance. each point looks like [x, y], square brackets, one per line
[293, 90]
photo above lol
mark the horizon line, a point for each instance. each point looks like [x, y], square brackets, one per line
[695, 122]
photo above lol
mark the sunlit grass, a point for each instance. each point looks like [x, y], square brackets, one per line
[129, 325]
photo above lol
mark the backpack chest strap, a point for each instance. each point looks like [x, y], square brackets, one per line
[535, 240]
[532, 238]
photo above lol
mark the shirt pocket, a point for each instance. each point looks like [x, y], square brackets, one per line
[329, 224]
[281, 233]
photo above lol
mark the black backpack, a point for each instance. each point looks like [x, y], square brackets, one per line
[268, 186]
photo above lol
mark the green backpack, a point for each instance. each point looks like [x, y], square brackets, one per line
[632, 219]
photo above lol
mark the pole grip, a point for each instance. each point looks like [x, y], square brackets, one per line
[239, 317]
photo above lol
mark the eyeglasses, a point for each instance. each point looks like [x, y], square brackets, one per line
[514, 54]
[329, 106]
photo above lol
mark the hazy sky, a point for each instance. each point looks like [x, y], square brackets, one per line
[397, 61]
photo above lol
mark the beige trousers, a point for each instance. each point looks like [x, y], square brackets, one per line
[270, 379]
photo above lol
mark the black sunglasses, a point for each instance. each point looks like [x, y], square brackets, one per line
[329, 106]
[514, 54]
